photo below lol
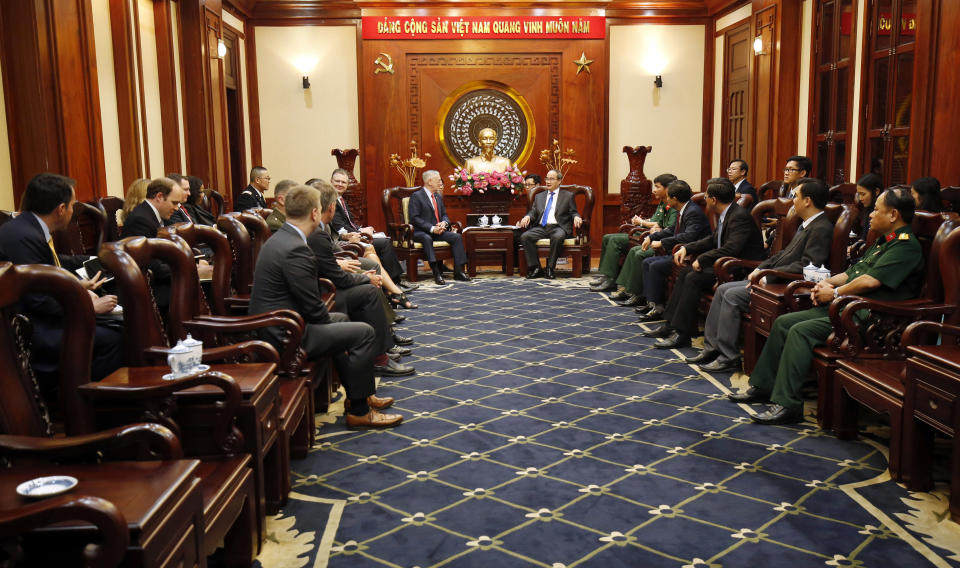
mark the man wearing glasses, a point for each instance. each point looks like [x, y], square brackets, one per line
[252, 196]
[797, 168]
[553, 216]
[737, 174]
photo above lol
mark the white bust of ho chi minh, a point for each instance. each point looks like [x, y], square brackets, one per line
[487, 161]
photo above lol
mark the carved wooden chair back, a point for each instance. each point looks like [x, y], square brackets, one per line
[213, 201]
[844, 217]
[128, 260]
[844, 193]
[394, 212]
[951, 198]
[745, 201]
[22, 408]
[110, 206]
[241, 246]
[263, 212]
[780, 209]
[202, 235]
[259, 231]
[84, 234]
[770, 190]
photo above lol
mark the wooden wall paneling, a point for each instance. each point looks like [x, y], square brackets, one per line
[253, 94]
[216, 105]
[141, 95]
[709, 77]
[125, 77]
[735, 121]
[51, 93]
[236, 136]
[942, 161]
[166, 67]
[929, 49]
[763, 92]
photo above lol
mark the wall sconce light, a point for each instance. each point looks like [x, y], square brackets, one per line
[758, 45]
[306, 82]
[221, 49]
[658, 81]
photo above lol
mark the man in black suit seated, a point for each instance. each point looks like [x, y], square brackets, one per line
[163, 199]
[345, 225]
[358, 294]
[252, 196]
[47, 206]
[430, 223]
[285, 277]
[810, 244]
[737, 174]
[554, 214]
[736, 235]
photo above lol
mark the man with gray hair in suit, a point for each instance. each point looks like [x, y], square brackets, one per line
[430, 223]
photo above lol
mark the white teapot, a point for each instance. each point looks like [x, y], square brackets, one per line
[178, 357]
[497, 220]
[484, 220]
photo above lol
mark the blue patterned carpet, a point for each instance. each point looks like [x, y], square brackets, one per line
[541, 430]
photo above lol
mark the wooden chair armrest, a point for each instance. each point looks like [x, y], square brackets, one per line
[262, 349]
[627, 228]
[842, 316]
[792, 290]
[455, 226]
[725, 265]
[154, 439]
[288, 358]
[113, 534]
[225, 435]
[911, 335]
[792, 276]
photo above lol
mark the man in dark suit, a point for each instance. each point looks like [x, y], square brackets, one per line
[736, 235]
[430, 223]
[47, 206]
[737, 174]
[358, 294]
[345, 225]
[554, 216]
[811, 244]
[285, 277]
[797, 168]
[252, 196]
[691, 225]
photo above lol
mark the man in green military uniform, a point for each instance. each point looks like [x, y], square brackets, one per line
[615, 244]
[890, 270]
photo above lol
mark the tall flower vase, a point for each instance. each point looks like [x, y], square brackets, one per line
[636, 191]
[355, 196]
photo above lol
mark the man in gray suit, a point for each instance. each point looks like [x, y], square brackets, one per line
[554, 216]
[286, 278]
[811, 244]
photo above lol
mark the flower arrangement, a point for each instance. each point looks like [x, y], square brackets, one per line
[508, 181]
[554, 159]
[408, 167]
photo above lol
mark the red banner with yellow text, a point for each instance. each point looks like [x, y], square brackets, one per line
[484, 27]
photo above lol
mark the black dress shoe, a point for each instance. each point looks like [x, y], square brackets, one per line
[777, 414]
[548, 274]
[751, 395]
[393, 356]
[661, 331]
[402, 351]
[401, 340]
[656, 314]
[722, 365]
[461, 276]
[675, 340]
[399, 318]
[630, 301]
[704, 356]
[604, 285]
[445, 268]
[408, 286]
[644, 308]
[438, 279]
[393, 369]
[535, 273]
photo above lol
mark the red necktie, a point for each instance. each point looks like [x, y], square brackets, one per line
[185, 214]
[436, 210]
[347, 213]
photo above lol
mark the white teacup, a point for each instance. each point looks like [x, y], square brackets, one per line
[497, 220]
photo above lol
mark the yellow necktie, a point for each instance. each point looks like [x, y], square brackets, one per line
[56, 259]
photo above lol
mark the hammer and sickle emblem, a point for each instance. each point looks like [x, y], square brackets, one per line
[385, 62]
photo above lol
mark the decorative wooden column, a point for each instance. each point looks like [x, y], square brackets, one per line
[51, 93]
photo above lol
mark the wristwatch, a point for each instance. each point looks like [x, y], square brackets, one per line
[836, 292]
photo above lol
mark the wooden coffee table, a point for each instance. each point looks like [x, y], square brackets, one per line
[489, 245]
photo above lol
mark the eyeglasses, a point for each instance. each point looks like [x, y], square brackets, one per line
[791, 170]
[733, 169]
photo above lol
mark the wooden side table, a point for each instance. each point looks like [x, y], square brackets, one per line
[257, 419]
[932, 404]
[488, 245]
[160, 500]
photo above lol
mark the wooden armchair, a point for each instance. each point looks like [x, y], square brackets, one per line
[844, 193]
[395, 203]
[213, 201]
[84, 234]
[872, 371]
[110, 206]
[951, 198]
[884, 327]
[767, 299]
[204, 503]
[576, 247]
[770, 190]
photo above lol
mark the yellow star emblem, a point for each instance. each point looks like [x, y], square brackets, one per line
[583, 63]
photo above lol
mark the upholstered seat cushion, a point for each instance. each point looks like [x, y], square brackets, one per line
[566, 242]
[436, 244]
